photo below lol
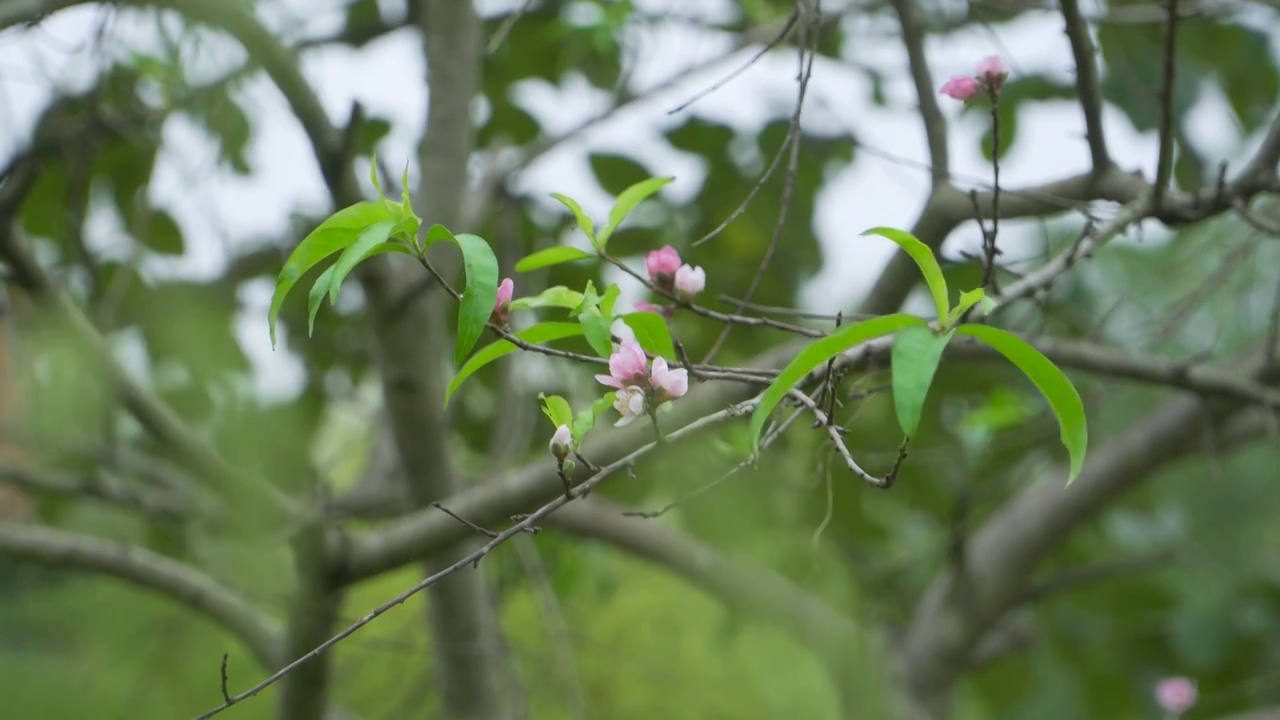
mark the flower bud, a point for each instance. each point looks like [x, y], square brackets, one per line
[561, 442]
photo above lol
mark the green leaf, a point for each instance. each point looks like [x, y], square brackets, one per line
[373, 172]
[585, 420]
[540, 333]
[967, 300]
[558, 296]
[551, 256]
[556, 409]
[334, 234]
[609, 299]
[925, 260]
[366, 245]
[162, 234]
[590, 300]
[316, 296]
[651, 332]
[1051, 382]
[817, 353]
[596, 328]
[584, 221]
[482, 292]
[916, 354]
[436, 233]
[626, 202]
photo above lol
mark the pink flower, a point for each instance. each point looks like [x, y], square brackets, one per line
[629, 404]
[668, 384]
[561, 441]
[690, 281]
[626, 367]
[960, 87]
[662, 265]
[1176, 694]
[992, 71]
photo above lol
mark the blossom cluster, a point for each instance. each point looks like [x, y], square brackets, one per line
[641, 387]
[988, 77]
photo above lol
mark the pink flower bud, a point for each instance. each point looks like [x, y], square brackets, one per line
[668, 384]
[1176, 694]
[662, 265]
[663, 310]
[502, 306]
[690, 281]
[992, 71]
[561, 442]
[960, 87]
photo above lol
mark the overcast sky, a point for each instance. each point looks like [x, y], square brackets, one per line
[220, 211]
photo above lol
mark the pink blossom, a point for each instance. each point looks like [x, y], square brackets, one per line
[561, 441]
[690, 281]
[626, 367]
[992, 71]
[668, 384]
[663, 310]
[662, 265]
[629, 404]
[1176, 694]
[960, 87]
[502, 305]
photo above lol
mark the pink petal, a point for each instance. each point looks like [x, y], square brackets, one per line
[609, 380]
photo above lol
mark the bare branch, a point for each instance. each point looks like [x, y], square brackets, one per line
[1087, 85]
[935, 127]
[1164, 163]
[63, 550]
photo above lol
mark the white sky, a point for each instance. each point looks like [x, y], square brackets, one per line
[219, 211]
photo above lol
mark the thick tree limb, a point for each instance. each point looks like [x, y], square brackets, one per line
[207, 597]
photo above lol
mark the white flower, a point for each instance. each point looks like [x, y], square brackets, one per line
[629, 404]
[690, 281]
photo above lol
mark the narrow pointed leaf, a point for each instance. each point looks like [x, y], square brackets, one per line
[365, 246]
[1052, 383]
[482, 292]
[817, 353]
[651, 332]
[627, 201]
[316, 297]
[925, 259]
[551, 256]
[916, 354]
[373, 172]
[968, 300]
[334, 234]
[584, 221]
[540, 333]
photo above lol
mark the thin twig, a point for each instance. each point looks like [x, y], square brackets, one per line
[464, 521]
[1164, 164]
[791, 22]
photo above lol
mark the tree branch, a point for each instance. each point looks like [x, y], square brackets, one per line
[207, 597]
[935, 126]
[1087, 85]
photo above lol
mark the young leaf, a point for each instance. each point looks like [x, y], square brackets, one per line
[1052, 383]
[334, 234]
[436, 233]
[586, 419]
[651, 332]
[584, 221]
[551, 256]
[316, 296]
[916, 353]
[540, 333]
[482, 292]
[590, 300]
[365, 246]
[968, 300]
[817, 353]
[925, 260]
[404, 191]
[558, 296]
[556, 409]
[373, 172]
[596, 328]
[626, 202]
